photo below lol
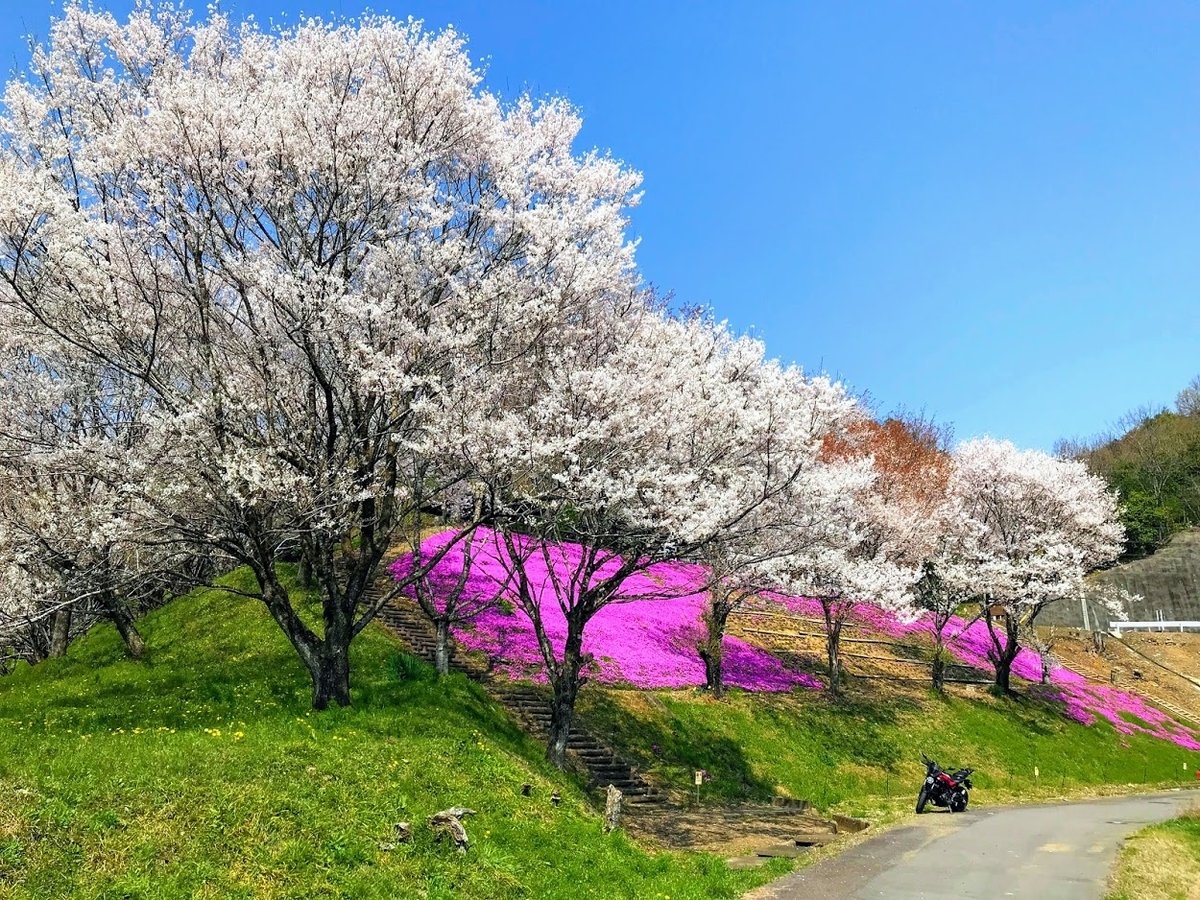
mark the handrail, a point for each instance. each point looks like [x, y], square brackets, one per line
[1157, 625]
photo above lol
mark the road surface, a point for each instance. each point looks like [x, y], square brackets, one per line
[1060, 852]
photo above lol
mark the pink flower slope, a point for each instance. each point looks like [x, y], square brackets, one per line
[646, 643]
[648, 640]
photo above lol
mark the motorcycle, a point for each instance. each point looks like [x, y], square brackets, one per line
[943, 788]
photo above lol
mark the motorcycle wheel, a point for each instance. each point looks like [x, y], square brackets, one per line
[959, 803]
[922, 799]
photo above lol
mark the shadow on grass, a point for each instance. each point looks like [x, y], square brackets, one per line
[1032, 708]
[753, 746]
[674, 748]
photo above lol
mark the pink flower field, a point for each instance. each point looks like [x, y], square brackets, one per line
[645, 643]
[648, 639]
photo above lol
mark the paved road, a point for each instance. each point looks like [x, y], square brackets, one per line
[1060, 852]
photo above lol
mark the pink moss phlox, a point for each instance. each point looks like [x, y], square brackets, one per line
[648, 639]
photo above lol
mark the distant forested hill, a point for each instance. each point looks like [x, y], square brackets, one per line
[1154, 462]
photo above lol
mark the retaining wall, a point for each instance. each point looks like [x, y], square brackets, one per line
[1169, 582]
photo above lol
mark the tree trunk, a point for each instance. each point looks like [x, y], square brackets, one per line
[441, 647]
[35, 651]
[712, 648]
[1003, 676]
[835, 665]
[712, 670]
[60, 632]
[134, 645]
[327, 657]
[331, 677]
[938, 670]
[562, 708]
[305, 575]
[1002, 654]
[119, 615]
[833, 636]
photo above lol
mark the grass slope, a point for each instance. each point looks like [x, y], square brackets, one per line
[200, 772]
[856, 754]
[1161, 862]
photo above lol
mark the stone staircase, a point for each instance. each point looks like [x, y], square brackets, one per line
[406, 621]
[528, 704]
[531, 706]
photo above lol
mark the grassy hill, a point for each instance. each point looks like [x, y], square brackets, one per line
[200, 772]
[862, 756]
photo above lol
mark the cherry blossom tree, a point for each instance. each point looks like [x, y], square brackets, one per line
[448, 595]
[738, 558]
[913, 466]
[731, 582]
[24, 629]
[946, 582]
[300, 243]
[860, 525]
[79, 543]
[646, 438]
[1038, 526]
[838, 555]
[70, 572]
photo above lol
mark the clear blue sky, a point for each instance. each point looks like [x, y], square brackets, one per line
[990, 211]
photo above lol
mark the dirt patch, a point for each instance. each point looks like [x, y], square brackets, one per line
[1178, 650]
[738, 830]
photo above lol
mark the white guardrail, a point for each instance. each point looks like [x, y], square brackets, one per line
[1157, 625]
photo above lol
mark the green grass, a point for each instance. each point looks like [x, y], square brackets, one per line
[1161, 862]
[201, 772]
[863, 753]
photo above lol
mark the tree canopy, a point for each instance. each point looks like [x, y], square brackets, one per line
[279, 296]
